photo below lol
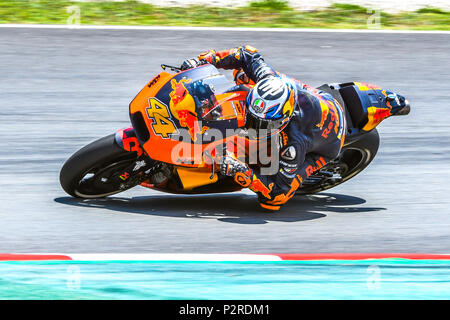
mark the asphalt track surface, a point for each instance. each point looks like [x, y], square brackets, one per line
[61, 89]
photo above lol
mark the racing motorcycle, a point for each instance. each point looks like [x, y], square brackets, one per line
[192, 104]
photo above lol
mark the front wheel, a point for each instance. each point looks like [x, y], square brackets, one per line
[353, 159]
[93, 171]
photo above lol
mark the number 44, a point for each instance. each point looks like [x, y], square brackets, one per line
[162, 124]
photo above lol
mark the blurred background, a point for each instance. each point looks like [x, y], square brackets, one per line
[360, 14]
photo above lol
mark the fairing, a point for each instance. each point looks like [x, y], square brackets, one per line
[176, 112]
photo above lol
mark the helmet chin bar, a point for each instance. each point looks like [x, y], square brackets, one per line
[257, 128]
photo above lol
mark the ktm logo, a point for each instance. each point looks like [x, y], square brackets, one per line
[155, 80]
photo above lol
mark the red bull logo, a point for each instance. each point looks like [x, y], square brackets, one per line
[182, 106]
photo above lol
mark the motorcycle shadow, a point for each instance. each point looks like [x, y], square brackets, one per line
[229, 207]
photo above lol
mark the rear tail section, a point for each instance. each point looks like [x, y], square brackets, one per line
[368, 104]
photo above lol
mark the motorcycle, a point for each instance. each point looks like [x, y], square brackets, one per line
[193, 103]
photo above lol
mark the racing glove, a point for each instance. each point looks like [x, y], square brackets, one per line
[208, 56]
[232, 167]
[191, 63]
[241, 78]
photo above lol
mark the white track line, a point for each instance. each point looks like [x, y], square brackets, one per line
[223, 29]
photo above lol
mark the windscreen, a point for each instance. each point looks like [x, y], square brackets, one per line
[211, 103]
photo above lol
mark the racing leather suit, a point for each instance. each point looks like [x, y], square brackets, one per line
[313, 137]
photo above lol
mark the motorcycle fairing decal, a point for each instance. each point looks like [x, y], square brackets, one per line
[182, 106]
[126, 138]
[156, 146]
[162, 123]
[375, 116]
[376, 104]
[124, 176]
[379, 112]
[154, 81]
[366, 86]
[178, 94]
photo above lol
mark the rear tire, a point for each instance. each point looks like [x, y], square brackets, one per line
[101, 157]
[354, 158]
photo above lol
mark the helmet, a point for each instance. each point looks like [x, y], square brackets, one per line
[270, 105]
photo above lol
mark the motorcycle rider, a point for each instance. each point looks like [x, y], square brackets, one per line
[310, 123]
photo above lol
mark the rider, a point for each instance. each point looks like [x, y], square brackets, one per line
[310, 122]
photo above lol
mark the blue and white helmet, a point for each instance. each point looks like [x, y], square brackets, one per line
[270, 104]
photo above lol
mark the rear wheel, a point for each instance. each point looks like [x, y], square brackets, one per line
[353, 159]
[93, 171]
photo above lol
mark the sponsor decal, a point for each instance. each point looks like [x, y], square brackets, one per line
[366, 86]
[185, 161]
[129, 141]
[124, 176]
[162, 123]
[258, 106]
[154, 81]
[138, 165]
[375, 116]
[182, 106]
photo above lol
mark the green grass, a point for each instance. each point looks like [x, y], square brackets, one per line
[266, 13]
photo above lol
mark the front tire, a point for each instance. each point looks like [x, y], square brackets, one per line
[91, 171]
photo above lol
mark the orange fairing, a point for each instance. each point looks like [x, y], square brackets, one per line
[176, 126]
[157, 146]
[150, 90]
